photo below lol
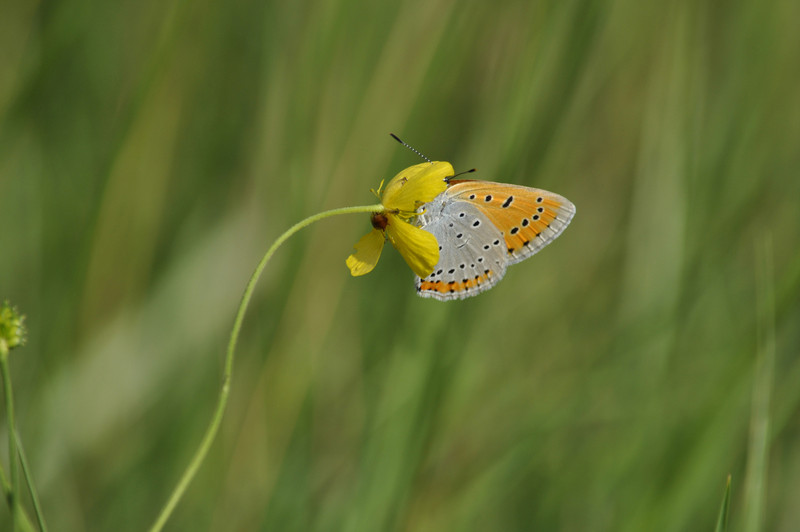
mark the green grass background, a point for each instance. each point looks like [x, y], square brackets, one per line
[151, 151]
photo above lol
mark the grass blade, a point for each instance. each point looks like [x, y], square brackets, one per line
[758, 449]
[722, 519]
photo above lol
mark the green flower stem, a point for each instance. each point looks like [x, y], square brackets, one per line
[10, 489]
[211, 431]
[13, 495]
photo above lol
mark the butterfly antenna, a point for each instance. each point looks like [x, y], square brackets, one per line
[466, 172]
[395, 137]
[461, 173]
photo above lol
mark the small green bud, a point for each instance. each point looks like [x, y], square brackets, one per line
[12, 327]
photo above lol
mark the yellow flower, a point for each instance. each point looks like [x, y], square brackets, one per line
[401, 198]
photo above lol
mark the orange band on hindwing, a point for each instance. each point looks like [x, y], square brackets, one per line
[465, 285]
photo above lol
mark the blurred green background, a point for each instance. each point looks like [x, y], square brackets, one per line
[151, 151]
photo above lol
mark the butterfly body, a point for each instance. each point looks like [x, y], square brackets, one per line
[483, 227]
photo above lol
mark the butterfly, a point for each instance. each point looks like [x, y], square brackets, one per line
[482, 228]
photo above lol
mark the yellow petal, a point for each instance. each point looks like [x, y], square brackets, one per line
[416, 185]
[368, 251]
[418, 247]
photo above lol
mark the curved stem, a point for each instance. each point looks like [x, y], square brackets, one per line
[211, 431]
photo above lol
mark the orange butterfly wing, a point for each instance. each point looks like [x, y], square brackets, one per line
[482, 227]
[528, 218]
